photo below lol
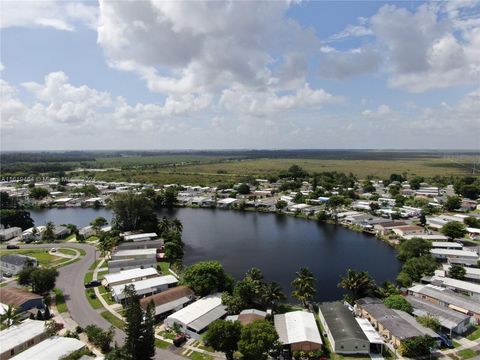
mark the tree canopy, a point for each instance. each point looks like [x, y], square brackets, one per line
[257, 339]
[398, 302]
[358, 283]
[224, 336]
[207, 277]
[414, 247]
[133, 211]
[454, 230]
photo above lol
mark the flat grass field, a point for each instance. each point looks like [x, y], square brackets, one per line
[221, 171]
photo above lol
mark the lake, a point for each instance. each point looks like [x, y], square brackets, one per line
[278, 245]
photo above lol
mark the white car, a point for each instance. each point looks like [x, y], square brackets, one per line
[53, 250]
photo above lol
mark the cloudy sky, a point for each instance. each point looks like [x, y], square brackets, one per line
[191, 75]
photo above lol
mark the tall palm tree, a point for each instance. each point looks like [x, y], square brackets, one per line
[272, 294]
[48, 233]
[358, 283]
[304, 285]
[11, 317]
[256, 276]
[164, 225]
[177, 225]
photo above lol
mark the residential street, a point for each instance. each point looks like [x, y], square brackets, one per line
[70, 281]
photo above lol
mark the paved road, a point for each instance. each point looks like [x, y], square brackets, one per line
[70, 281]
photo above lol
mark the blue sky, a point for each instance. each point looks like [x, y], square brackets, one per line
[192, 75]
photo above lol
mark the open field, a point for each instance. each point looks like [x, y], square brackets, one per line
[233, 170]
[215, 167]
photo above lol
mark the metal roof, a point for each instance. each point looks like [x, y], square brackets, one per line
[193, 312]
[447, 296]
[341, 322]
[53, 348]
[145, 286]
[448, 318]
[138, 237]
[126, 275]
[206, 319]
[18, 334]
[297, 326]
[372, 335]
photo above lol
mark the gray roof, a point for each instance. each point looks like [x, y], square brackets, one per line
[206, 319]
[17, 259]
[149, 244]
[392, 321]
[449, 319]
[341, 321]
[447, 296]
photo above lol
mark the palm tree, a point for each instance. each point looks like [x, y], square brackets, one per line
[272, 294]
[106, 245]
[256, 276]
[48, 233]
[11, 317]
[358, 283]
[304, 285]
[164, 225]
[177, 225]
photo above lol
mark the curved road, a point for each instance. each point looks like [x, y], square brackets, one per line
[71, 282]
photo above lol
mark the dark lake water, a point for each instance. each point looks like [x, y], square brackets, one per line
[278, 245]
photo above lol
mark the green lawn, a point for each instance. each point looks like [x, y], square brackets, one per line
[94, 265]
[88, 277]
[167, 334]
[68, 251]
[161, 344]
[112, 319]
[475, 334]
[199, 356]
[60, 301]
[92, 299]
[164, 268]
[456, 344]
[467, 353]
[42, 255]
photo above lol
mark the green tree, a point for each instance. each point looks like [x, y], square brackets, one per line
[257, 339]
[472, 221]
[132, 212]
[243, 189]
[272, 295]
[48, 233]
[430, 322]
[374, 207]
[139, 327]
[304, 285]
[452, 203]
[281, 204]
[38, 193]
[174, 251]
[256, 276]
[207, 277]
[333, 203]
[398, 302]
[404, 279]
[414, 247]
[43, 280]
[418, 267]
[15, 218]
[98, 223]
[454, 230]
[387, 289]
[99, 337]
[457, 272]
[224, 336]
[10, 317]
[358, 283]
[417, 347]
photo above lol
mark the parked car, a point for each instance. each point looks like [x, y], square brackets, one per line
[445, 341]
[7, 274]
[93, 283]
[179, 340]
[11, 247]
[53, 250]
